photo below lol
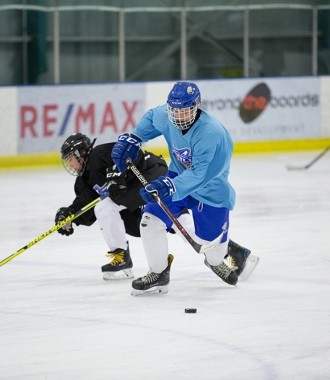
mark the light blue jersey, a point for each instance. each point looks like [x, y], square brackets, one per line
[201, 157]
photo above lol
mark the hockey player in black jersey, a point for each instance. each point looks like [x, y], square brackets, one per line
[117, 215]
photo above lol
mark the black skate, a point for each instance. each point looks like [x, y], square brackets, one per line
[237, 256]
[119, 266]
[153, 282]
[223, 271]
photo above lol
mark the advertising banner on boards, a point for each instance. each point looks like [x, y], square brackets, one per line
[262, 109]
[265, 109]
[47, 115]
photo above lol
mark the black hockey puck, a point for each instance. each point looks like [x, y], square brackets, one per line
[190, 311]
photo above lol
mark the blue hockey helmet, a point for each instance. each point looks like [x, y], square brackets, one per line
[182, 103]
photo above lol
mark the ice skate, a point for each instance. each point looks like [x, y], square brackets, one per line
[242, 259]
[237, 256]
[226, 273]
[153, 282]
[119, 266]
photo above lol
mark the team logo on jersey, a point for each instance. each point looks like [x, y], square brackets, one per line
[183, 156]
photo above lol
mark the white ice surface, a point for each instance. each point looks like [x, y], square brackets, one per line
[60, 320]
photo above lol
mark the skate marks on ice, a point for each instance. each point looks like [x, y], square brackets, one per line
[63, 321]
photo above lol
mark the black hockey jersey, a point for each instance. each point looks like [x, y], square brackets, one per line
[151, 167]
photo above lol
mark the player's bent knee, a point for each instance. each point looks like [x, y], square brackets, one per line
[150, 223]
[104, 208]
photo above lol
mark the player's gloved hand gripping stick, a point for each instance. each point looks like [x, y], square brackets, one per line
[199, 248]
[57, 226]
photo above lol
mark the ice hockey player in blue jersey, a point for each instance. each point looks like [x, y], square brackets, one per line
[200, 149]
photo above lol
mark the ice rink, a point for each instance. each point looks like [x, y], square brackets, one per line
[60, 320]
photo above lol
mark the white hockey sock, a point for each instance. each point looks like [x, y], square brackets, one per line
[216, 255]
[187, 222]
[154, 240]
[111, 224]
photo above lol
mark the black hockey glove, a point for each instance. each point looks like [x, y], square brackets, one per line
[117, 182]
[62, 214]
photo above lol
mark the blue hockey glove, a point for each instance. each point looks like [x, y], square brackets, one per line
[102, 191]
[127, 146]
[162, 186]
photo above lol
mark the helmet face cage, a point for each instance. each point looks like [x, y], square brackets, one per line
[182, 118]
[77, 146]
[182, 104]
[78, 171]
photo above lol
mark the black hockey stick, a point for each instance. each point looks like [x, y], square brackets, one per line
[199, 248]
[289, 167]
[50, 231]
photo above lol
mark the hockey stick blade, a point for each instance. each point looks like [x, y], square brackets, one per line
[305, 167]
[296, 168]
[206, 247]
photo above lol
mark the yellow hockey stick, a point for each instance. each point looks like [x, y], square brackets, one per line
[53, 229]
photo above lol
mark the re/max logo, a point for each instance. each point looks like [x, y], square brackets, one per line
[48, 120]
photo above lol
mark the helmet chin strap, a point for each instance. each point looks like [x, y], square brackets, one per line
[84, 164]
[92, 145]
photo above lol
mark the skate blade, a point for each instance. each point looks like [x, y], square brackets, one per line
[120, 275]
[251, 263]
[149, 292]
